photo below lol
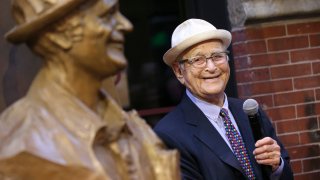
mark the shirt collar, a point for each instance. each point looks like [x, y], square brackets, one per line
[209, 110]
[85, 123]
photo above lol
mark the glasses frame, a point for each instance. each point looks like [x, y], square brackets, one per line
[211, 57]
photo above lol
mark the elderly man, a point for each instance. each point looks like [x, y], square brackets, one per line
[67, 127]
[210, 130]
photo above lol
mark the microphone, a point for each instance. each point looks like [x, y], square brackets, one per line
[250, 107]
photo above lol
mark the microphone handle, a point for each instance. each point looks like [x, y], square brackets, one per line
[255, 127]
[257, 134]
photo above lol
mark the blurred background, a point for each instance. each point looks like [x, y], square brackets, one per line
[275, 59]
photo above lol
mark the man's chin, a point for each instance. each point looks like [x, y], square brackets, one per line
[121, 67]
[118, 58]
[121, 64]
[116, 67]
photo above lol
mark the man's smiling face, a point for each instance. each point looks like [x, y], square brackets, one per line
[206, 83]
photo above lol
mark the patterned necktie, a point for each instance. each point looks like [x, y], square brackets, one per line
[237, 145]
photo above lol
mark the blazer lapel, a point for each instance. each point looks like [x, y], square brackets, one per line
[207, 134]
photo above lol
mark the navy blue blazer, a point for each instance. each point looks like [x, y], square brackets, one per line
[203, 152]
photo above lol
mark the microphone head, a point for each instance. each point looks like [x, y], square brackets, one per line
[250, 107]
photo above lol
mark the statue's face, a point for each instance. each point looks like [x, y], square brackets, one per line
[101, 51]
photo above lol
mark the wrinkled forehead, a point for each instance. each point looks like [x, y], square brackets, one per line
[108, 4]
[103, 6]
[111, 2]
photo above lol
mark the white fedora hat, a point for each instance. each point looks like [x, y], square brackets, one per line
[191, 32]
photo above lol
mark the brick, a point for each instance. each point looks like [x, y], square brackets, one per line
[306, 54]
[303, 28]
[290, 70]
[253, 75]
[255, 47]
[297, 125]
[289, 140]
[238, 35]
[281, 113]
[311, 164]
[310, 137]
[316, 68]
[314, 40]
[294, 97]
[288, 43]
[252, 47]
[296, 166]
[266, 101]
[239, 49]
[307, 176]
[274, 31]
[307, 82]
[245, 62]
[318, 94]
[269, 59]
[265, 87]
[258, 32]
[241, 63]
[272, 86]
[244, 90]
[304, 151]
[310, 109]
[254, 33]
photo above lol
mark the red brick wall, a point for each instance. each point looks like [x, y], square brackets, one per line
[278, 64]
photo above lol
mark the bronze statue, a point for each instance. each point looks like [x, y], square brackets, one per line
[67, 127]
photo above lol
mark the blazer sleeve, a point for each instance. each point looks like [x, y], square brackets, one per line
[189, 167]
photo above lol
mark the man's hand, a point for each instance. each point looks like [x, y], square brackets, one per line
[267, 152]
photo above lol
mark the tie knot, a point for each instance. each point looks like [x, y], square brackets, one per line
[224, 112]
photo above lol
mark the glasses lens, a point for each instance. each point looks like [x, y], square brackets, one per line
[198, 61]
[201, 61]
[219, 58]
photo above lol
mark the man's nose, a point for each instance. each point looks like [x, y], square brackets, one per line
[210, 63]
[124, 23]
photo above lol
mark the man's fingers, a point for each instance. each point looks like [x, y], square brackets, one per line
[273, 161]
[267, 152]
[268, 155]
[263, 156]
[270, 162]
[264, 141]
[263, 149]
[266, 145]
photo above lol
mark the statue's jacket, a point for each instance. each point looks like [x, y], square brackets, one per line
[51, 134]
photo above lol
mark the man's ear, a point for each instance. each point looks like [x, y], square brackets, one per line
[178, 72]
[60, 39]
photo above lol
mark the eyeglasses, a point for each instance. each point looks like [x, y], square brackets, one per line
[201, 61]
